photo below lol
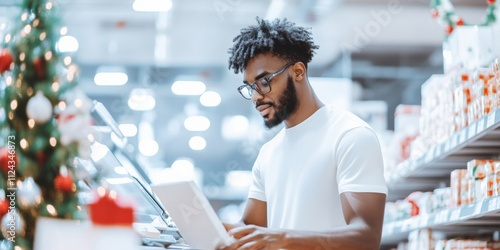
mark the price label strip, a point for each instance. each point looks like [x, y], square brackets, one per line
[424, 221]
[480, 126]
[441, 217]
[472, 130]
[454, 141]
[491, 120]
[478, 208]
[455, 215]
[389, 229]
[463, 136]
[492, 204]
[429, 156]
[447, 146]
[438, 151]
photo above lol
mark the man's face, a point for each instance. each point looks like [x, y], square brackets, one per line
[277, 105]
[287, 102]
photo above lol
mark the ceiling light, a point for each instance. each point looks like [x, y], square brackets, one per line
[183, 164]
[67, 44]
[197, 123]
[148, 147]
[128, 130]
[234, 127]
[141, 100]
[188, 87]
[152, 5]
[197, 143]
[98, 151]
[110, 76]
[239, 179]
[183, 169]
[180, 170]
[162, 44]
[210, 99]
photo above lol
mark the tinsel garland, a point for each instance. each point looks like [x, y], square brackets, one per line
[444, 12]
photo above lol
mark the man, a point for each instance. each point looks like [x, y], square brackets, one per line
[318, 184]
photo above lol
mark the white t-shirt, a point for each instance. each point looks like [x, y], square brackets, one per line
[302, 171]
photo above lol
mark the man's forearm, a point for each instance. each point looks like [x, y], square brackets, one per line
[347, 237]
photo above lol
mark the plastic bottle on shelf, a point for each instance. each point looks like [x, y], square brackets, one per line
[496, 183]
[456, 185]
[495, 84]
[488, 182]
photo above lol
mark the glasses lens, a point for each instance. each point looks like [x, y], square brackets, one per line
[263, 86]
[246, 91]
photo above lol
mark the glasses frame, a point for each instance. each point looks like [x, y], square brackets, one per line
[250, 87]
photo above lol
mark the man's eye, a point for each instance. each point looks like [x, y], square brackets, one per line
[263, 83]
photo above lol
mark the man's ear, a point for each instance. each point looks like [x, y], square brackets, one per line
[299, 71]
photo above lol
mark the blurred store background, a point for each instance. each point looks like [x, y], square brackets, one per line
[373, 56]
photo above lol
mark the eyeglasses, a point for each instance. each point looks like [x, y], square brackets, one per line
[261, 85]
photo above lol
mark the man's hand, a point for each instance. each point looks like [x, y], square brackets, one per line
[230, 226]
[255, 237]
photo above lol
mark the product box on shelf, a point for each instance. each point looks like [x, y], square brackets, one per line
[455, 100]
[406, 129]
[470, 47]
[437, 117]
[480, 180]
[477, 168]
[420, 239]
[441, 199]
[456, 184]
[494, 245]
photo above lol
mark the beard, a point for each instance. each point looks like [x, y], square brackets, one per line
[287, 103]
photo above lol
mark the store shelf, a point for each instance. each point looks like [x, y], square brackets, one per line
[478, 217]
[479, 140]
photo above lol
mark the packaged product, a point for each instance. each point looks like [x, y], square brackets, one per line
[456, 184]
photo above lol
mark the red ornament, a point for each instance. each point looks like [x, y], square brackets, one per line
[4, 207]
[491, 2]
[460, 22]
[8, 161]
[39, 65]
[108, 211]
[5, 60]
[64, 183]
[434, 13]
[41, 158]
[448, 30]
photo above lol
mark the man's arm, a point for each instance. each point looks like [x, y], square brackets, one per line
[363, 213]
[255, 214]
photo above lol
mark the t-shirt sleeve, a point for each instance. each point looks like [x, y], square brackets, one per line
[360, 163]
[257, 189]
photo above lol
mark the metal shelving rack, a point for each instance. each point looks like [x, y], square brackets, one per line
[480, 139]
[483, 216]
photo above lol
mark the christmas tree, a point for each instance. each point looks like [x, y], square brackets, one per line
[43, 124]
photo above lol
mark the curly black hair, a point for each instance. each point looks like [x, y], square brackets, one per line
[282, 38]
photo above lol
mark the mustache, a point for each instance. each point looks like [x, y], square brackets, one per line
[257, 104]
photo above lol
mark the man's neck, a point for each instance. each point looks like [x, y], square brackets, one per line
[304, 111]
